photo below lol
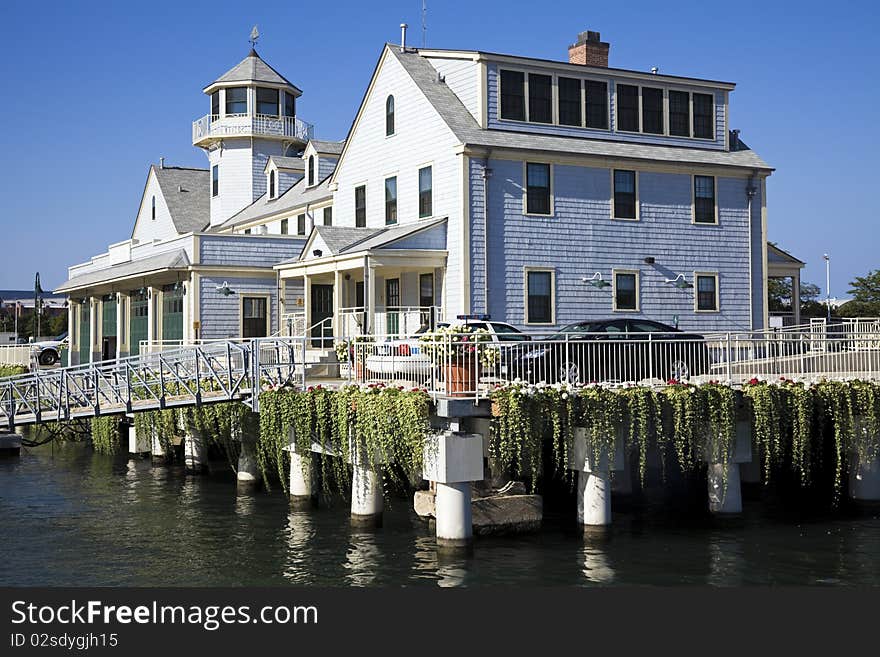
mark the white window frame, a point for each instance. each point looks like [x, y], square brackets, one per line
[362, 183]
[419, 167]
[525, 189]
[714, 137]
[526, 271]
[613, 211]
[706, 274]
[614, 308]
[617, 108]
[525, 73]
[694, 199]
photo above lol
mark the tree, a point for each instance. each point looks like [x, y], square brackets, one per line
[779, 297]
[866, 296]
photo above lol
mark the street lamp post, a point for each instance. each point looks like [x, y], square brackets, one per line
[827, 285]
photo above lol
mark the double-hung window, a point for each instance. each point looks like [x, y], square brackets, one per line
[679, 113]
[704, 200]
[236, 100]
[569, 90]
[284, 226]
[391, 200]
[596, 104]
[215, 180]
[703, 116]
[328, 215]
[426, 192]
[513, 97]
[626, 290]
[707, 292]
[538, 189]
[539, 297]
[360, 206]
[267, 101]
[652, 110]
[300, 224]
[627, 108]
[625, 202]
[540, 98]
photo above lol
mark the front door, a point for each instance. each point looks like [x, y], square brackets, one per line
[172, 313]
[359, 303]
[392, 306]
[322, 309]
[137, 322]
[254, 315]
[108, 327]
[426, 300]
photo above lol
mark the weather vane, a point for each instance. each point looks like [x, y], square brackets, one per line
[255, 34]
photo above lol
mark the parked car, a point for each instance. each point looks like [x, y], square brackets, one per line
[48, 352]
[406, 356]
[613, 350]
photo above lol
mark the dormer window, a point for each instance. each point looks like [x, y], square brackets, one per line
[289, 104]
[267, 101]
[153, 210]
[310, 180]
[271, 184]
[236, 100]
[389, 116]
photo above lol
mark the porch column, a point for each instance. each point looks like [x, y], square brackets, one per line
[282, 306]
[369, 295]
[187, 336]
[95, 327]
[796, 298]
[337, 303]
[122, 307]
[307, 302]
[73, 342]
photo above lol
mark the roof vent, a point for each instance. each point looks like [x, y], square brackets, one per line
[161, 162]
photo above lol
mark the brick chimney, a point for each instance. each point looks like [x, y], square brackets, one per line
[589, 50]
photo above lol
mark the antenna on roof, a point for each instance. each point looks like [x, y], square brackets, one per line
[424, 23]
[255, 34]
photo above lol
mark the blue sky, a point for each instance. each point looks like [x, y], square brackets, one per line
[96, 91]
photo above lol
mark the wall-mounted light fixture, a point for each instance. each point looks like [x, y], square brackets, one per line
[680, 282]
[225, 290]
[649, 260]
[596, 281]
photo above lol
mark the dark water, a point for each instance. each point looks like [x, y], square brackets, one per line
[71, 518]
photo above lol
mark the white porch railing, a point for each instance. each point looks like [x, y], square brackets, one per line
[15, 354]
[391, 321]
[247, 125]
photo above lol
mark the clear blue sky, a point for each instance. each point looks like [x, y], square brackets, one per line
[96, 91]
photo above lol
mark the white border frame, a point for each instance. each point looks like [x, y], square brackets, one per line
[637, 273]
[694, 199]
[638, 216]
[537, 268]
[707, 274]
[525, 189]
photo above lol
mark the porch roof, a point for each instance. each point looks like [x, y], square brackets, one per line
[347, 240]
[162, 262]
[782, 264]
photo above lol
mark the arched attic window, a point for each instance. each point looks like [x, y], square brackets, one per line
[271, 184]
[389, 116]
[153, 209]
[311, 171]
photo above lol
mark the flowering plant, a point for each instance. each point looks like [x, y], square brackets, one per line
[456, 343]
[342, 349]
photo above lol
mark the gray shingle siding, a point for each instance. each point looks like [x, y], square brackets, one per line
[247, 250]
[220, 315]
[581, 238]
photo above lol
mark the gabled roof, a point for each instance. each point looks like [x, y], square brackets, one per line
[327, 147]
[776, 255]
[297, 196]
[468, 131]
[186, 192]
[253, 69]
[171, 260]
[346, 239]
[283, 162]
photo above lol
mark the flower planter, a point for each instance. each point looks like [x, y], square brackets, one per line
[461, 378]
[344, 370]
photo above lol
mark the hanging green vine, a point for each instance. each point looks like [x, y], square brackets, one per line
[106, 434]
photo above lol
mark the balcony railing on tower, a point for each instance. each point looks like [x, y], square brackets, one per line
[214, 126]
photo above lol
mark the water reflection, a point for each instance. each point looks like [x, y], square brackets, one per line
[597, 567]
[298, 534]
[362, 559]
[726, 561]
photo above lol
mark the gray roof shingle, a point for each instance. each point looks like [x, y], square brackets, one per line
[296, 196]
[186, 193]
[172, 260]
[283, 162]
[328, 147]
[468, 131]
[253, 69]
